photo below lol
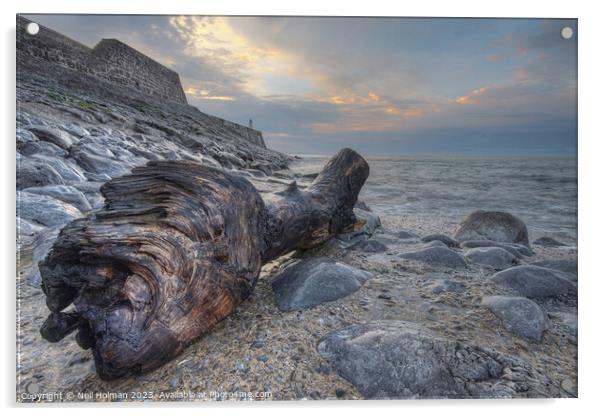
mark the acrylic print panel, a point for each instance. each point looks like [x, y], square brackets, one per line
[288, 208]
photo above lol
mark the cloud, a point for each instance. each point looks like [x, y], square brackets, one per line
[380, 84]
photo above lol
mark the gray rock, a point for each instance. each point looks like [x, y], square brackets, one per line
[447, 285]
[370, 246]
[535, 282]
[45, 210]
[548, 242]
[437, 256]
[520, 316]
[314, 281]
[495, 257]
[435, 243]
[405, 235]
[33, 172]
[46, 148]
[517, 250]
[53, 135]
[99, 164]
[67, 170]
[493, 225]
[448, 241]
[566, 266]
[64, 193]
[402, 360]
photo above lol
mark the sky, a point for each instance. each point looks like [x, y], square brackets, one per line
[382, 86]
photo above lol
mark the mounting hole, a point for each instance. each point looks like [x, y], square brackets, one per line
[33, 28]
[566, 32]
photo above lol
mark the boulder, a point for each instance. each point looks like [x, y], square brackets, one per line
[520, 316]
[495, 226]
[64, 193]
[44, 210]
[67, 170]
[435, 243]
[437, 257]
[26, 232]
[403, 360]
[566, 266]
[314, 281]
[535, 282]
[548, 242]
[495, 257]
[448, 241]
[517, 250]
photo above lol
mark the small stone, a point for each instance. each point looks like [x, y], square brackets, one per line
[548, 242]
[314, 281]
[568, 386]
[263, 358]
[437, 256]
[495, 257]
[448, 241]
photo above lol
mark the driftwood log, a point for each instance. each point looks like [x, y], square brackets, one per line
[175, 249]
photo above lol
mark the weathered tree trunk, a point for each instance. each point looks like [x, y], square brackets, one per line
[175, 249]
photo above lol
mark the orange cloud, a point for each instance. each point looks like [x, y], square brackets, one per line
[521, 74]
[471, 98]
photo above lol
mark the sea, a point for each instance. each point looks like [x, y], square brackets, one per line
[542, 191]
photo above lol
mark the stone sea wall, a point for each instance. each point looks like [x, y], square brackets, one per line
[113, 61]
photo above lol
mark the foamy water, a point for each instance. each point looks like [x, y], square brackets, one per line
[541, 191]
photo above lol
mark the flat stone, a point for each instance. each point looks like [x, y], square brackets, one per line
[436, 256]
[535, 282]
[45, 210]
[448, 241]
[53, 135]
[64, 193]
[548, 242]
[495, 257]
[493, 225]
[566, 266]
[520, 316]
[314, 281]
[403, 360]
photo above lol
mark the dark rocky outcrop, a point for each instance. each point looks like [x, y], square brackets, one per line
[402, 360]
[314, 281]
[493, 225]
[520, 316]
